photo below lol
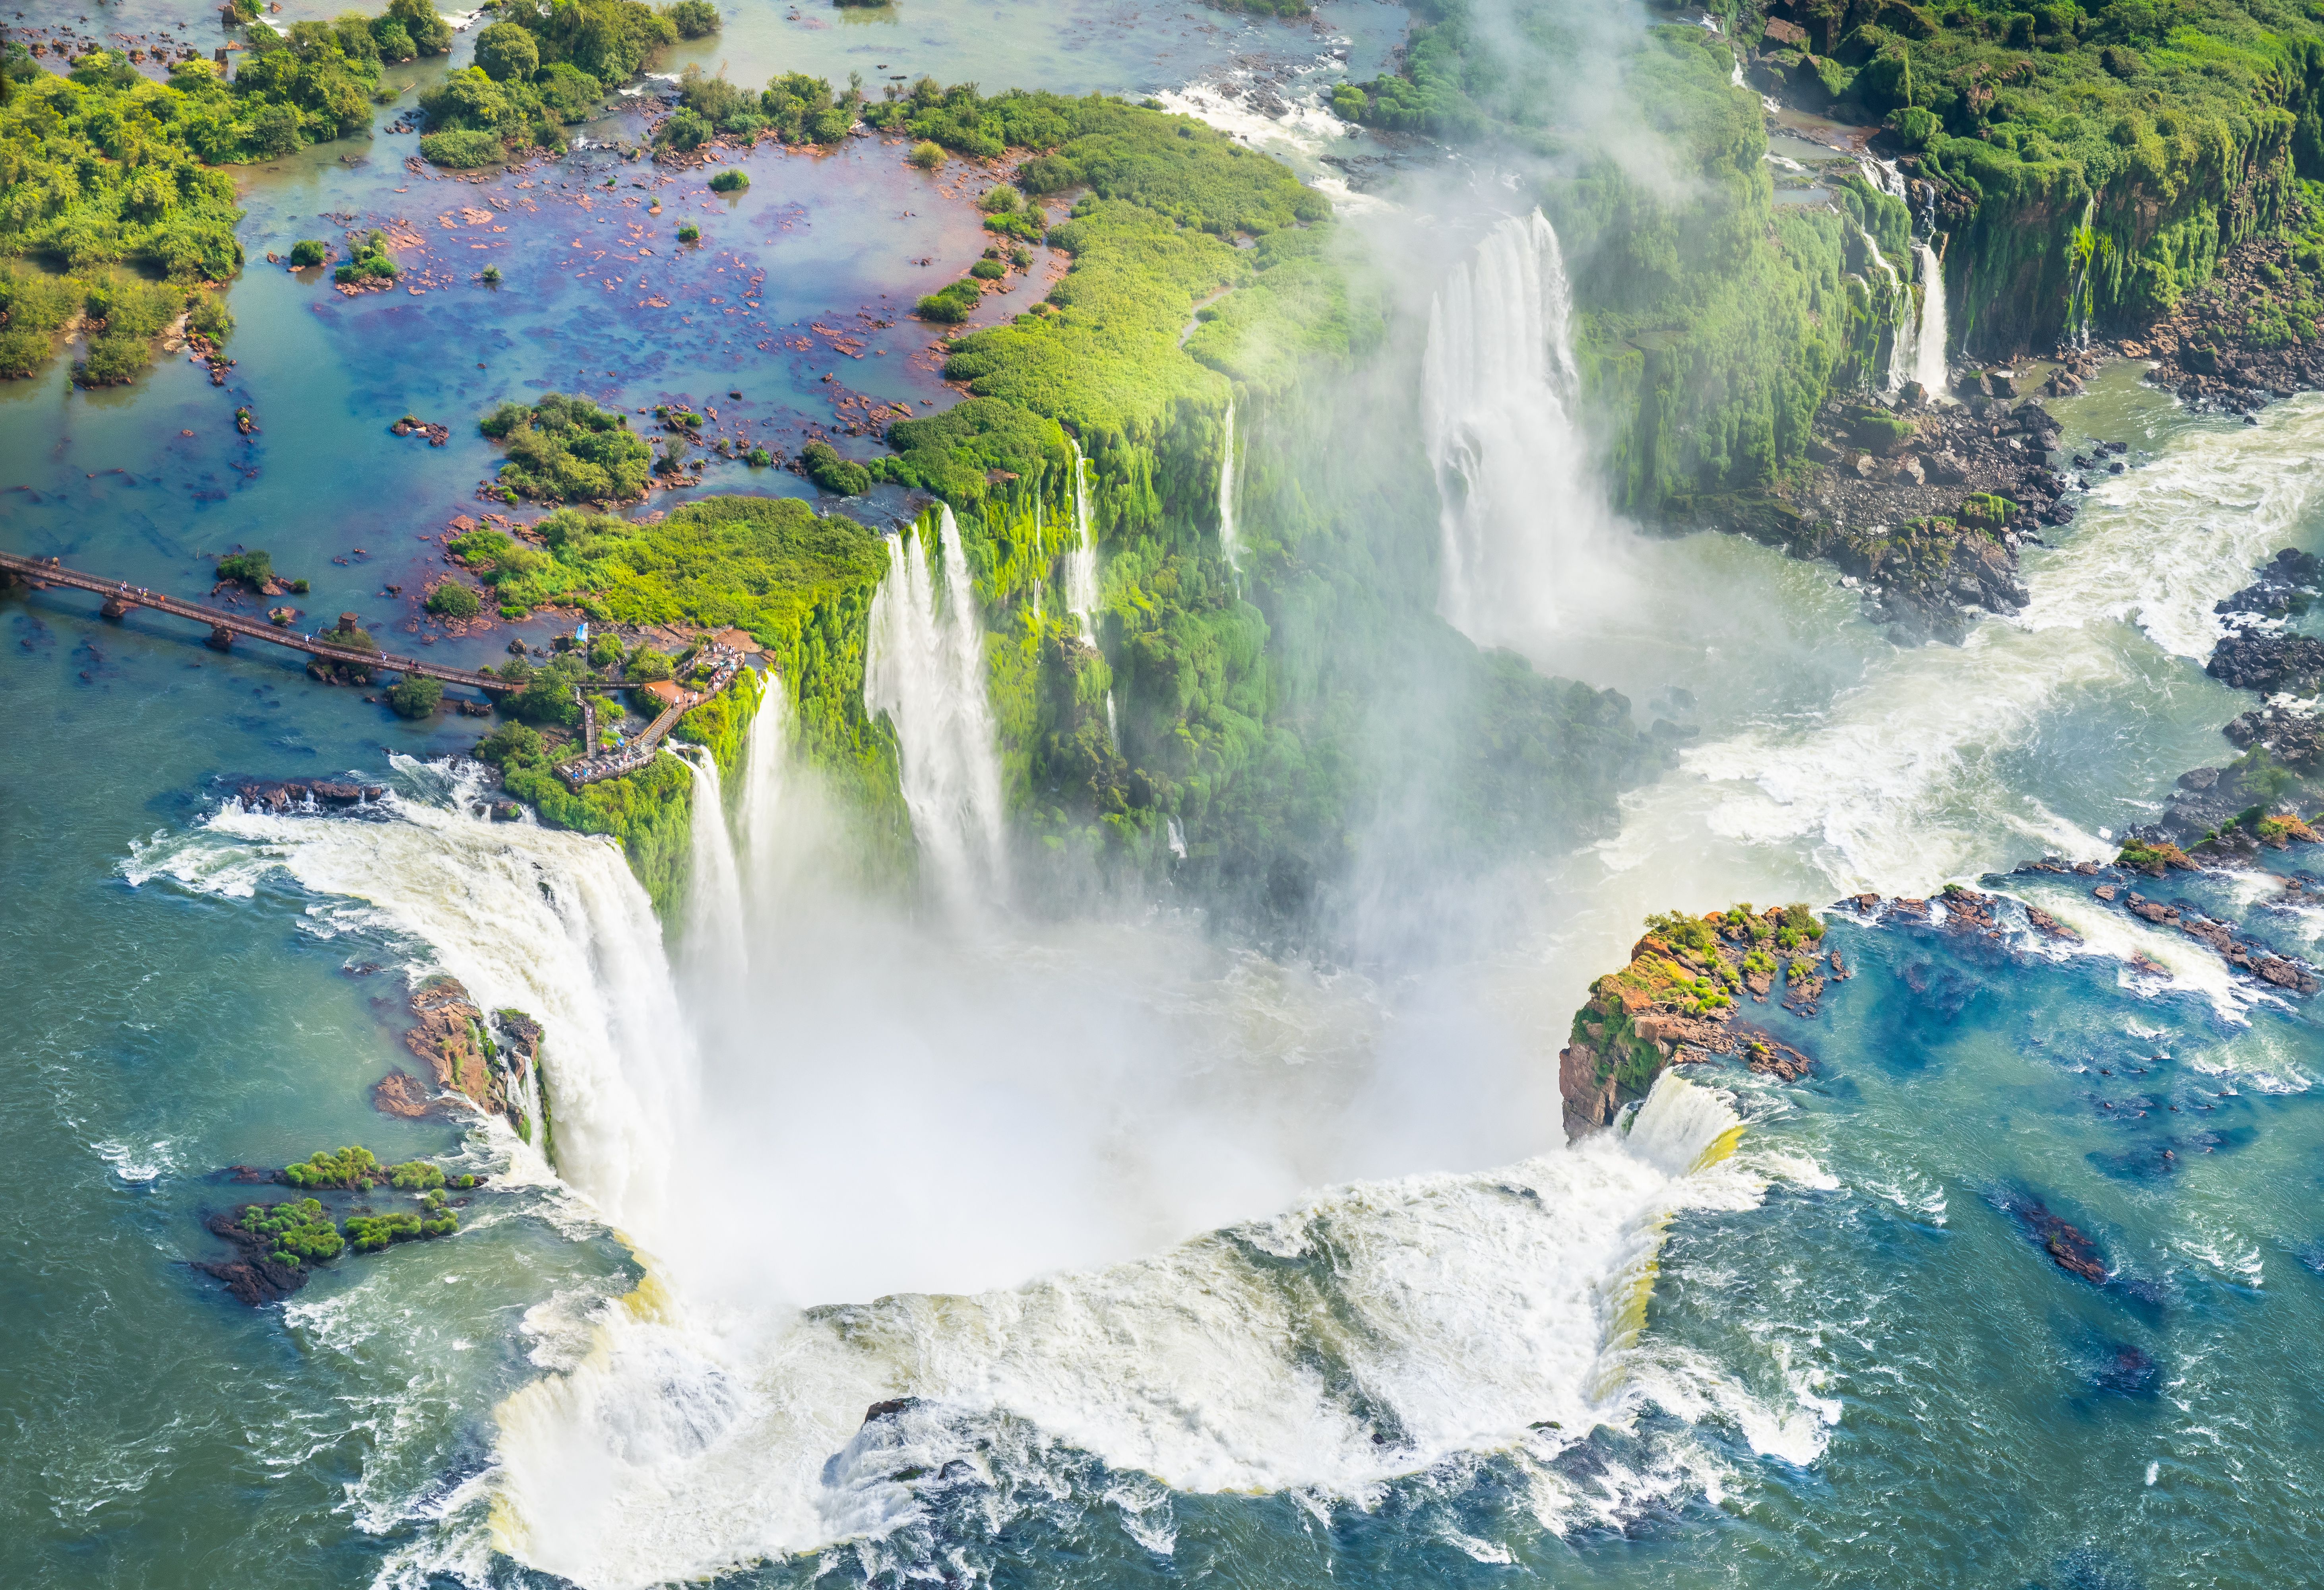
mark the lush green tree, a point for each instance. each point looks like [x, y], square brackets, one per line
[452, 599]
[431, 34]
[826, 466]
[569, 449]
[505, 50]
[415, 695]
[693, 19]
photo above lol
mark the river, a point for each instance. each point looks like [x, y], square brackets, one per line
[1178, 1260]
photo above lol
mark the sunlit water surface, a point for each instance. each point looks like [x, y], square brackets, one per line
[1190, 1262]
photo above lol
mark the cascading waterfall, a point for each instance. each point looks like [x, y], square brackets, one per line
[1901, 351]
[714, 941]
[1929, 342]
[1230, 539]
[1080, 559]
[765, 762]
[1081, 563]
[1498, 384]
[2078, 300]
[531, 918]
[925, 668]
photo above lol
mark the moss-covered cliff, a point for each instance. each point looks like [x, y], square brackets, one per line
[1277, 694]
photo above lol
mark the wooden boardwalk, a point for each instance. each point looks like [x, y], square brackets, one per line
[224, 625]
[595, 762]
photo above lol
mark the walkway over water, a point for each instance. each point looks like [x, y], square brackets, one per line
[722, 653]
[224, 625]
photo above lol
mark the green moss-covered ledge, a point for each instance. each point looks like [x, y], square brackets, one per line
[801, 583]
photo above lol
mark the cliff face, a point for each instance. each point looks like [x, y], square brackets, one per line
[1676, 1003]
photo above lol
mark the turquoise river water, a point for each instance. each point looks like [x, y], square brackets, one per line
[1247, 1271]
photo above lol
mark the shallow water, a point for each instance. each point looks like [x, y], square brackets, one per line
[1198, 1263]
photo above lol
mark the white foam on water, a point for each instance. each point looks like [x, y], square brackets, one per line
[2189, 966]
[1907, 781]
[528, 918]
[137, 1167]
[1464, 1309]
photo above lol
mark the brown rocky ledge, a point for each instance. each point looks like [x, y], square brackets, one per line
[1676, 1005]
[452, 1035]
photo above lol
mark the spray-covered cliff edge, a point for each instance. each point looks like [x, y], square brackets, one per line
[2024, 179]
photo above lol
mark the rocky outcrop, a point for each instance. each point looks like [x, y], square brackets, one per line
[2295, 739]
[283, 796]
[449, 1034]
[1676, 1005]
[2268, 663]
[2286, 586]
[401, 1095]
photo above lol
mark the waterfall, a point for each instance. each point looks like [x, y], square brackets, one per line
[1081, 561]
[714, 941]
[532, 919]
[2078, 300]
[1499, 384]
[925, 669]
[1230, 540]
[764, 766]
[1902, 352]
[1929, 341]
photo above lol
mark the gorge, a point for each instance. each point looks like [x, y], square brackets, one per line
[1444, 798]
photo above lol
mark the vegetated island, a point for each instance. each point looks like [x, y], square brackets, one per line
[280, 1245]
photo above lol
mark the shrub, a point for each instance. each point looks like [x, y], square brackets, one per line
[605, 651]
[371, 259]
[567, 92]
[689, 233]
[393, 39]
[302, 1233]
[998, 199]
[647, 664]
[371, 1233]
[309, 251]
[415, 1176]
[252, 569]
[490, 275]
[693, 19]
[511, 743]
[988, 270]
[415, 695]
[352, 1167]
[926, 155]
[431, 34]
[685, 130]
[505, 50]
[461, 149]
[826, 466]
[548, 699]
[758, 458]
[951, 305]
[454, 600]
[730, 180]
[569, 449]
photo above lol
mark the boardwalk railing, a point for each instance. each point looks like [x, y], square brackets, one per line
[120, 597]
[590, 767]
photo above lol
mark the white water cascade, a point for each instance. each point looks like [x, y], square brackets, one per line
[1230, 539]
[1929, 340]
[1081, 561]
[765, 770]
[1519, 505]
[923, 666]
[714, 943]
[1901, 351]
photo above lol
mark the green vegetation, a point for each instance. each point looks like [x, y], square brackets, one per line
[833, 473]
[547, 63]
[109, 172]
[568, 449]
[454, 600]
[689, 233]
[951, 305]
[34, 307]
[988, 270]
[415, 696]
[801, 583]
[730, 180]
[252, 570]
[371, 261]
[309, 251]
[1264, 7]
[351, 1167]
[302, 1231]
[927, 155]
[693, 19]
